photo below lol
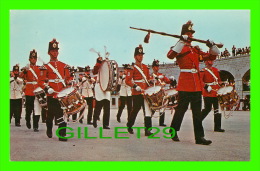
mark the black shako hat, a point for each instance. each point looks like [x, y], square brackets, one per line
[155, 63]
[33, 54]
[53, 45]
[139, 50]
[187, 28]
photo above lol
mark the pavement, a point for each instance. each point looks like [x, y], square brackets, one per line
[232, 145]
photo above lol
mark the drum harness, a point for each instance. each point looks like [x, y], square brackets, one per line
[57, 73]
[34, 74]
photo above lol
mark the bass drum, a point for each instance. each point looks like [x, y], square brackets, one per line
[108, 75]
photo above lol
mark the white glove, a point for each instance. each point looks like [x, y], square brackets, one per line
[123, 76]
[50, 91]
[214, 50]
[209, 88]
[179, 46]
[138, 88]
[172, 77]
[160, 76]
[185, 37]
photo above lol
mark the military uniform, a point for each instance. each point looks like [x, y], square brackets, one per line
[55, 82]
[86, 86]
[125, 94]
[135, 80]
[161, 80]
[16, 84]
[189, 84]
[32, 105]
[102, 100]
[211, 85]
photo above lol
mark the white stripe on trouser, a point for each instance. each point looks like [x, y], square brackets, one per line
[148, 111]
[37, 107]
[60, 120]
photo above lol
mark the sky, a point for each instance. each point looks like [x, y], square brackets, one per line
[77, 31]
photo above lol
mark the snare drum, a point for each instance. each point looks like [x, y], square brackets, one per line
[172, 95]
[108, 75]
[71, 101]
[227, 97]
[155, 97]
[41, 96]
[171, 92]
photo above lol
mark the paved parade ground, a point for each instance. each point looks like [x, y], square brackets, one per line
[233, 145]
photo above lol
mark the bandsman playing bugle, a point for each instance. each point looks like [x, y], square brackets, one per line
[189, 84]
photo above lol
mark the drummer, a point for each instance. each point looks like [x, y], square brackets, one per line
[138, 78]
[102, 98]
[211, 80]
[161, 80]
[189, 84]
[31, 75]
[55, 74]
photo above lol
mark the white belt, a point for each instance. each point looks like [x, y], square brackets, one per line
[193, 70]
[56, 80]
[33, 82]
[139, 81]
[213, 83]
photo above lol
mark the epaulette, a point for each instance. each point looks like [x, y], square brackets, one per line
[42, 67]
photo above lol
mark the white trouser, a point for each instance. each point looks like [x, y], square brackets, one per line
[148, 111]
[37, 107]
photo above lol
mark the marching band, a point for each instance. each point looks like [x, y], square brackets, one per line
[53, 91]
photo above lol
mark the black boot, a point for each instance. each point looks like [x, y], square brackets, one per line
[94, 123]
[36, 119]
[203, 141]
[161, 119]
[147, 124]
[118, 119]
[49, 129]
[49, 132]
[28, 124]
[175, 138]
[62, 132]
[217, 123]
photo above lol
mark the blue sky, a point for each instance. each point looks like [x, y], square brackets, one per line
[79, 30]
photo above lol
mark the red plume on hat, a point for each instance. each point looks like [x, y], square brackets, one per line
[53, 45]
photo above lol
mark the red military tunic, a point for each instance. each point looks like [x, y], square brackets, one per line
[163, 80]
[189, 59]
[32, 82]
[48, 75]
[208, 79]
[134, 77]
